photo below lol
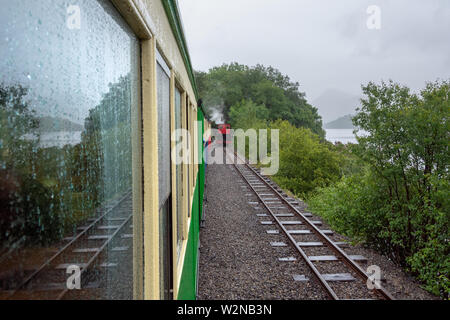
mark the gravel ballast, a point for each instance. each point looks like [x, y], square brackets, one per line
[237, 260]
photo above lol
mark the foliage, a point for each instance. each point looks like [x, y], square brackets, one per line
[399, 204]
[16, 121]
[306, 163]
[46, 192]
[108, 133]
[27, 212]
[246, 114]
[344, 205]
[226, 86]
[344, 122]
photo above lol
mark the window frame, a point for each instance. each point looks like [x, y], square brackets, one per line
[138, 18]
[133, 18]
[177, 87]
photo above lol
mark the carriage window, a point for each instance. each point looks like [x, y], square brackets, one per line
[164, 174]
[68, 90]
[179, 175]
[193, 118]
[188, 166]
[163, 84]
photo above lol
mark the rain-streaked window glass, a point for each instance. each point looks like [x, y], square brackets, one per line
[192, 128]
[163, 84]
[179, 175]
[189, 147]
[69, 83]
[164, 165]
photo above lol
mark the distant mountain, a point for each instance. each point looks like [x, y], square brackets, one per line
[52, 124]
[344, 122]
[333, 104]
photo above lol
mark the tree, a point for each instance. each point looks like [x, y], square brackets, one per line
[408, 150]
[28, 211]
[17, 121]
[225, 86]
[247, 114]
[305, 162]
[399, 203]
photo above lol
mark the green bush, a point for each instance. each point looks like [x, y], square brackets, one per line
[357, 207]
[399, 204]
[306, 163]
[246, 114]
[29, 212]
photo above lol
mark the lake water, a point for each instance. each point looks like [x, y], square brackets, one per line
[340, 135]
[56, 139]
[60, 139]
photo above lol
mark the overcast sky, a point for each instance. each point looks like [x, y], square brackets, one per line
[323, 44]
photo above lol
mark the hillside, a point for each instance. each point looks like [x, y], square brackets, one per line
[344, 122]
[333, 104]
[51, 124]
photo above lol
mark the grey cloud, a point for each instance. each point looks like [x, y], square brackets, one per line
[324, 44]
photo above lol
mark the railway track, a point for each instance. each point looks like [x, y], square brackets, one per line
[92, 249]
[311, 243]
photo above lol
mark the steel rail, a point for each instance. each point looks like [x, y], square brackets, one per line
[63, 249]
[326, 240]
[322, 281]
[97, 254]
[316, 272]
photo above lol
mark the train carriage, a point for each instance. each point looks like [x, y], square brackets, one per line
[92, 205]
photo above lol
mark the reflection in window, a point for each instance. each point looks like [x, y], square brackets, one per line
[66, 97]
[179, 175]
[164, 165]
[163, 84]
[189, 147]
